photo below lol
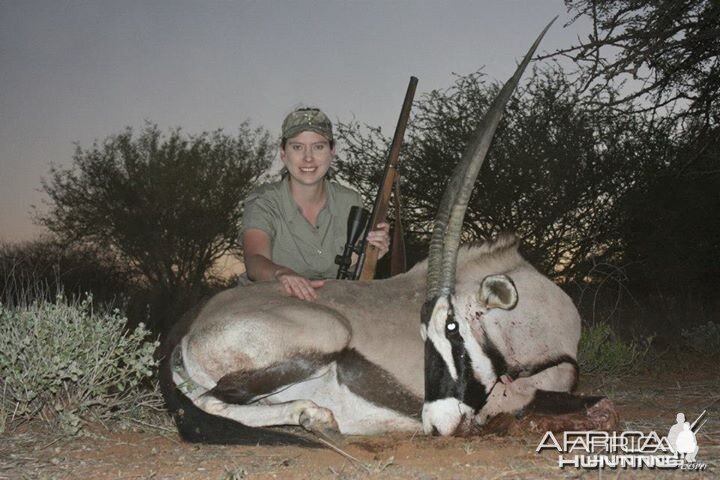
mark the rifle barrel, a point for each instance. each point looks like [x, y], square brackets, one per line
[367, 262]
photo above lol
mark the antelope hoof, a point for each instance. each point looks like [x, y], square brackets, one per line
[321, 422]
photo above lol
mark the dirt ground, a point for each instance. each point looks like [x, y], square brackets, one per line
[645, 403]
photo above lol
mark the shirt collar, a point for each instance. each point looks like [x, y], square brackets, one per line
[291, 208]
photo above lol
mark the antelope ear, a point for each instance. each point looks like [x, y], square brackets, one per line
[498, 291]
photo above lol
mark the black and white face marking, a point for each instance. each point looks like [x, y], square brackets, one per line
[458, 375]
[459, 371]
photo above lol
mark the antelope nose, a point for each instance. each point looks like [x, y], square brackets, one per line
[443, 417]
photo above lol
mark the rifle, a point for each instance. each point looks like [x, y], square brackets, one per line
[368, 254]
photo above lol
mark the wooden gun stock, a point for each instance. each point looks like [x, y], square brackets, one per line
[367, 262]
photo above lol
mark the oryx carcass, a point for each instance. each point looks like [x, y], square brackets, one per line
[355, 361]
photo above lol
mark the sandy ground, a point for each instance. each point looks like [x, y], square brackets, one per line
[645, 403]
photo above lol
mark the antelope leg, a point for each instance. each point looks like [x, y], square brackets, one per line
[303, 413]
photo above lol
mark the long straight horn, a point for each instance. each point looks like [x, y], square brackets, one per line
[447, 227]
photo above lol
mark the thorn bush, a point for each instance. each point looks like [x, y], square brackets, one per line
[63, 362]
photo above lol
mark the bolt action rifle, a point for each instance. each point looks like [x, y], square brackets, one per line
[358, 224]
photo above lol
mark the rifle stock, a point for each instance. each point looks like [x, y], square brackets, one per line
[367, 262]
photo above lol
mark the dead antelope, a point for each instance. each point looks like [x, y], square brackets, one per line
[493, 333]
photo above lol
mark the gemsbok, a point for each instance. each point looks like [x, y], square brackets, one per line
[494, 336]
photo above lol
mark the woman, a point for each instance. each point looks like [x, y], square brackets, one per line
[294, 228]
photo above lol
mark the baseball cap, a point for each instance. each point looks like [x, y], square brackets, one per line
[304, 119]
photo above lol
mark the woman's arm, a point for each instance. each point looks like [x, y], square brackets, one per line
[257, 248]
[257, 252]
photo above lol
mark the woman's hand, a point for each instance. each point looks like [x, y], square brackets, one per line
[298, 286]
[380, 238]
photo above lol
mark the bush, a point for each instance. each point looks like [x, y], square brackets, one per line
[63, 363]
[704, 338]
[601, 352]
[43, 268]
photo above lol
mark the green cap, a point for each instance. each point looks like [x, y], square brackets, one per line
[304, 119]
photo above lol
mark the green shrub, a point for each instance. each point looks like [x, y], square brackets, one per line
[64, 363]
[704, 338]
[601, 352]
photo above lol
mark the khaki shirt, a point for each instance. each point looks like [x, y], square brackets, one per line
[309, 250]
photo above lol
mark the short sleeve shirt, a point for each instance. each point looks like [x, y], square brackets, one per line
[308, 249]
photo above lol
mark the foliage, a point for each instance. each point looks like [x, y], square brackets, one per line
[44, 268]
[556, 172]
[703, 338]
[661, 57]
[601, 352]
[167, 205]
[670, 224]
[63, 363]
[669, 49]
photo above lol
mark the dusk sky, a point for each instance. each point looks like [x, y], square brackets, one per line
[76, 71]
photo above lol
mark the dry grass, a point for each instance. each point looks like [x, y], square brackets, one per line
[646, 402]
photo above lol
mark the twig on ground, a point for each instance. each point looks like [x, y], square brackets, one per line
[345, 454]
[49, 444]
[151, 425]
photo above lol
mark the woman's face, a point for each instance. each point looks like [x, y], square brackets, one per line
[307, 157]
